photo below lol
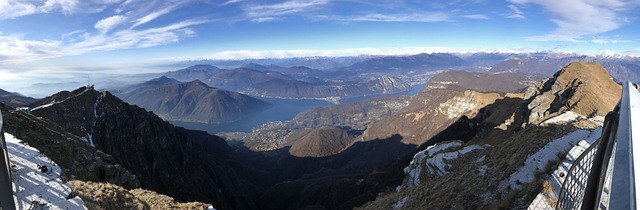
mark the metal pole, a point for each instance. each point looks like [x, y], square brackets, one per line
[6, 187]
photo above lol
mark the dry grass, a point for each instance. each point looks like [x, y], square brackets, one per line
[99, 196]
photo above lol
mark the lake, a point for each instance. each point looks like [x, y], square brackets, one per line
[282, 109]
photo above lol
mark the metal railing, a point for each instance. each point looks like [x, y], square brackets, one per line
[6, 187]
[603, 176]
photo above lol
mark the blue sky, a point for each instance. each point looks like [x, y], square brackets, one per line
[52, 39]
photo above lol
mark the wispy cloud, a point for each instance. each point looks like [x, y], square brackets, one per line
[377, 17]
[10, 9]
[231, 2]
[163, 10]
[516, 13]
[577, 18]
[109, 23]
[477, 17]
[285, 8]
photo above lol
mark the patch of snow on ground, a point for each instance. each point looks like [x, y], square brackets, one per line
[537, 161]
[564, 117]
[544, 200]
[34, 189]
[400, 203]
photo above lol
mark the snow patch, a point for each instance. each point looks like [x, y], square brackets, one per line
[36, 179]
[400, 203]
[563, 118]
[43, 106]
[537, 161]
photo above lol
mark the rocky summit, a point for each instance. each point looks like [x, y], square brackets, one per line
[581, 87]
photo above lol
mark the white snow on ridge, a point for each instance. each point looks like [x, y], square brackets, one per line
[564, 117]
[43, 106]
[33, 188]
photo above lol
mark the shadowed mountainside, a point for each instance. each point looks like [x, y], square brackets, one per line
[187, 165]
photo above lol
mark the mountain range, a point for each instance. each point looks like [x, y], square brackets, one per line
[279, 88]
[458, 143]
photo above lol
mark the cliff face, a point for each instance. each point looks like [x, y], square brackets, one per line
[187, 165]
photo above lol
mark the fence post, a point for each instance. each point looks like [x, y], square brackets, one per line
[6, 186]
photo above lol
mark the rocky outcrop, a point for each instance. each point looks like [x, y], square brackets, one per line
[582, 87]
[194, 102]
[187, 165]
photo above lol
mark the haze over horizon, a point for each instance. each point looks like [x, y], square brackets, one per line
[53, 40]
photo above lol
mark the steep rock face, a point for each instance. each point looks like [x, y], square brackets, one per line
[430, 112]
[582, 87]
[502, 82]
[322, 142]
[77, 159]
[195, 102]
[279, 88]
[187, 165]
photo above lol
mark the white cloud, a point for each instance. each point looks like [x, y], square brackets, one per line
[155, 14]
[106, 24]
[244, 54]
[609, 41]
[516, 13]
[577, 18]
[477, 17]
[231, 2]
[285, 8]
[10, 9]
[415, 17]
[17, 50]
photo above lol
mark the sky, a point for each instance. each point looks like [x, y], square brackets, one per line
[50, 40]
